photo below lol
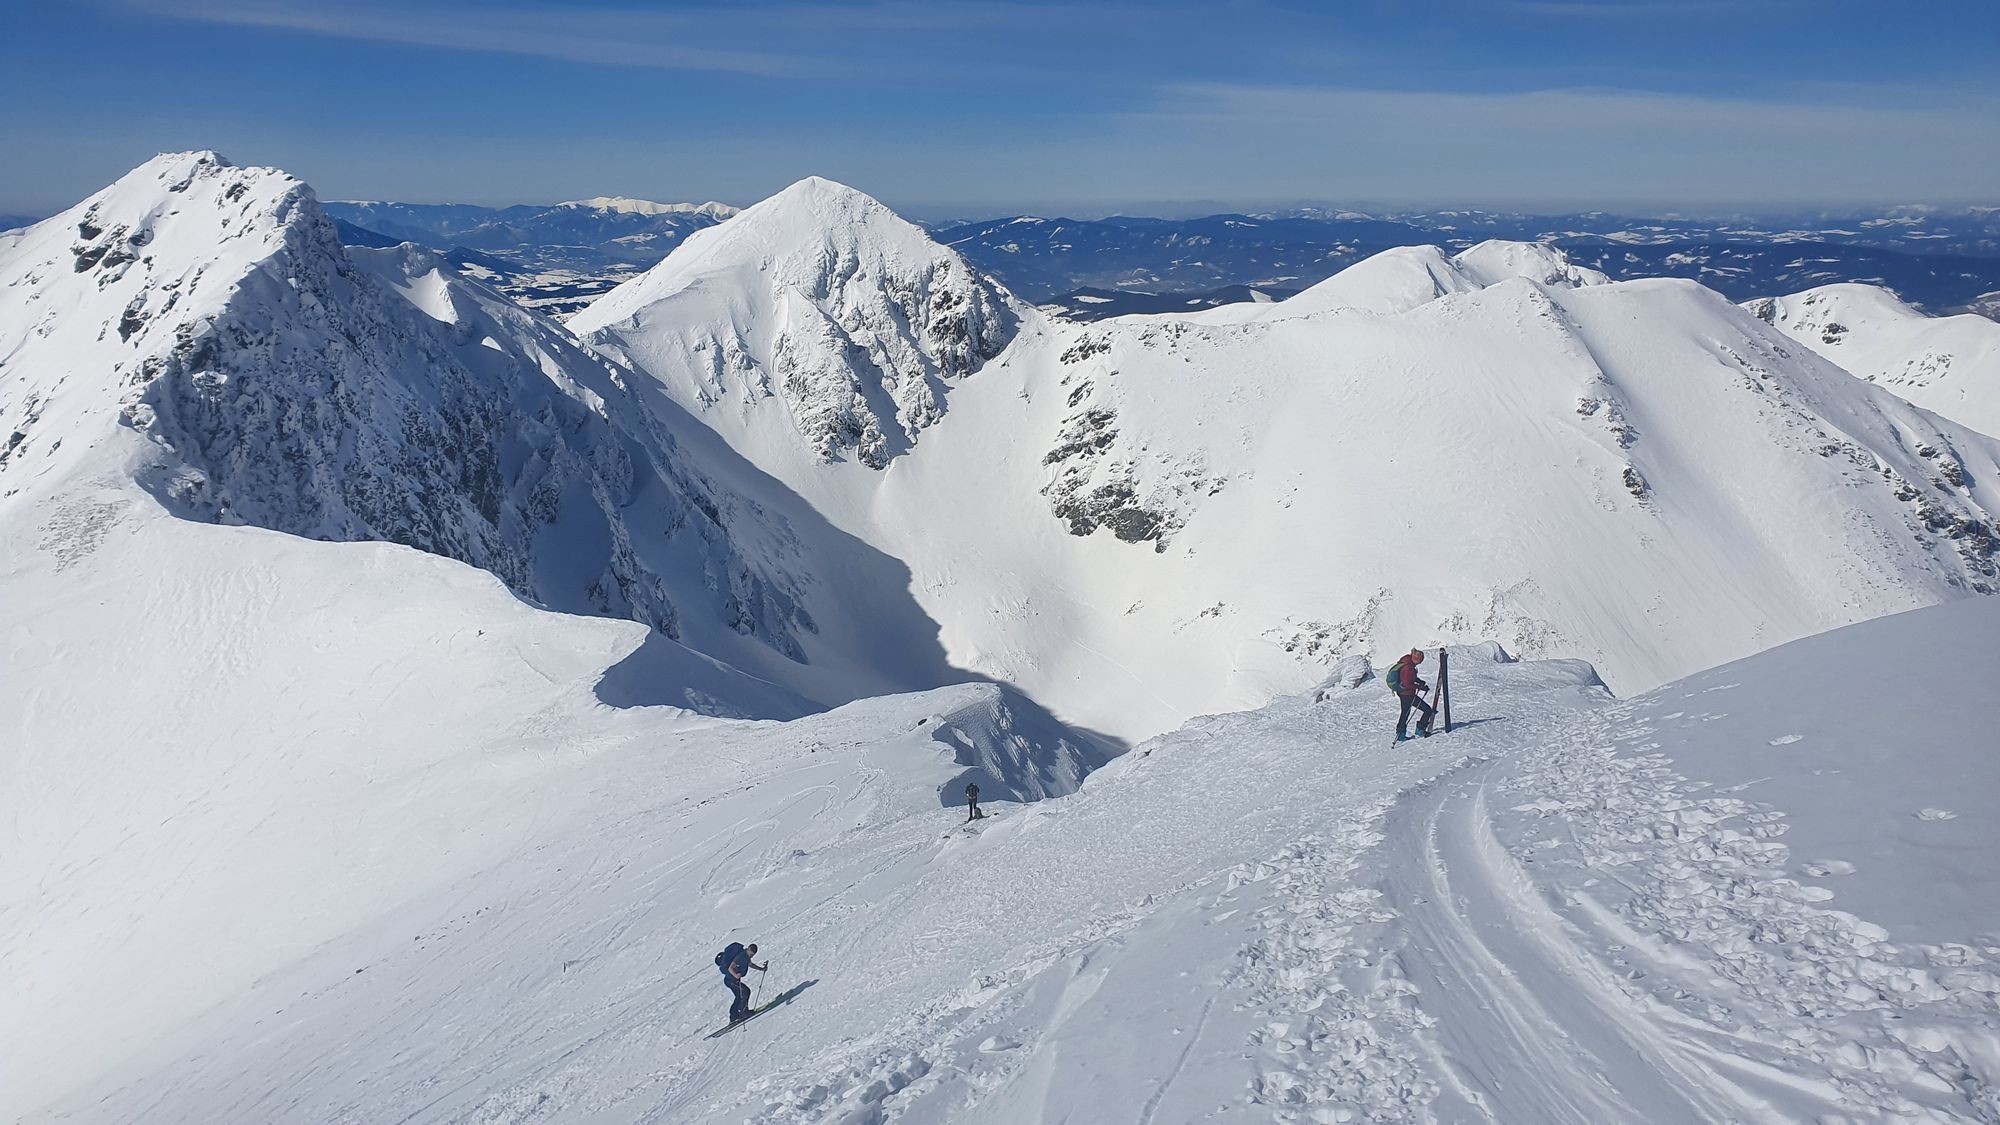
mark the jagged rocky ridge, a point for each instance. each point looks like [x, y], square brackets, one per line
[275, 383]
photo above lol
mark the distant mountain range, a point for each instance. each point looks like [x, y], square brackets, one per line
[1936, 261]
[554, 258]
[583, 234]
[558, 258]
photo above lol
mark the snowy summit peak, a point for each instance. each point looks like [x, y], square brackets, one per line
[1405, 277]
[821, 297]
[824, 195]
[167, 163]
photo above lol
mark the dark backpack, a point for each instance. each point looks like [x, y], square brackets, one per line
[728, 955]
[1396, 673]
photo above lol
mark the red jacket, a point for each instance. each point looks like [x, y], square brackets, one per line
[1403, 677]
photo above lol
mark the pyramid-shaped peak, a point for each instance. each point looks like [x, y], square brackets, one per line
[817, 201]
[856, 316]
[821, 188]
[815, 235]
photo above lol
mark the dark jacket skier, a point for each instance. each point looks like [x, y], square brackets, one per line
[1403, 680]
[972, 812]
[735, 961]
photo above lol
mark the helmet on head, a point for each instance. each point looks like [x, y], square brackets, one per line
[751, 948]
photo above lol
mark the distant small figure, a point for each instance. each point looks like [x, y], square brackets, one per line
[734, 961]
[972, 812]
[1403, 680]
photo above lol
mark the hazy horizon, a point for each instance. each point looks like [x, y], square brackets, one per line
[1639, 107]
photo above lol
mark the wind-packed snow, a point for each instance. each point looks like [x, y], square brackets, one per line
[1568, 909]
[1949, 364]
[1150, 517]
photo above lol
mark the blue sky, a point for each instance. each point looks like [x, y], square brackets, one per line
[972, 108]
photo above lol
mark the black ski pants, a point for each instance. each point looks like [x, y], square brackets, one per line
[1403, 720]
[740, 1006]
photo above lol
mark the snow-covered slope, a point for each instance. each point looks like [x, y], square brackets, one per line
[1567, 909]
[1949, 364]
[240, 717]
[1152, 517]
[197, 328]
[1399, 280]
[225, 751]
[818, 299]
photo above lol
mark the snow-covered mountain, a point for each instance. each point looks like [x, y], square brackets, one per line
[196, 328]
[1154, 517]
[1949, 364]
[253, 696]
[312, 820]
[1754, 895]
[819, 299]
[1399, 280]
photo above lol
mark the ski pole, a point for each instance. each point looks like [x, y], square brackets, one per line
[760, 984]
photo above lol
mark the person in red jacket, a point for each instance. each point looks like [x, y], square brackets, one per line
[1403, 680]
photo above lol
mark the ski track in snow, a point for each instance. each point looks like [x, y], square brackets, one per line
[1408, 965]
[1532, 919]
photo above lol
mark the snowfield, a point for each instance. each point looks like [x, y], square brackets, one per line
[402, 698]
[228, 748]
[1146, 518]
[1568, 909]
[1950, 364]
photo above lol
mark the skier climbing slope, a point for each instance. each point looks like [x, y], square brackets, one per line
[1344, 931]
[734, 961]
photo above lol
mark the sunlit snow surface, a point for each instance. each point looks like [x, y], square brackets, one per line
[1145, 518]
[1950, 364]
[1568, 909]
[307, 830]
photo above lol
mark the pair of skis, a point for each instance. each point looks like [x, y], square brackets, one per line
[732, 1025]
[1441, 694]
[782, 999]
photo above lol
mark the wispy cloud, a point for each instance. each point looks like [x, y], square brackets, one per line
[794, 39]
[663, 40]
